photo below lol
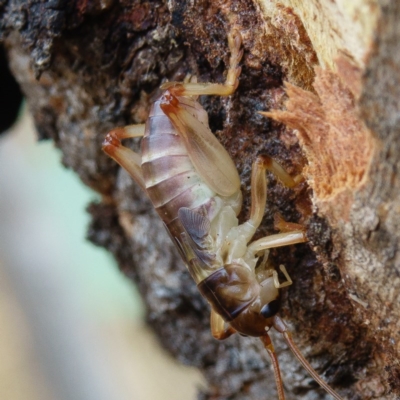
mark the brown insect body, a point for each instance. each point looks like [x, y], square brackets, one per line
[171, 179]
[195, 188]
[172, 183]
[234, 293]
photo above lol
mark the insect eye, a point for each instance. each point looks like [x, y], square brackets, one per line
[270, 309]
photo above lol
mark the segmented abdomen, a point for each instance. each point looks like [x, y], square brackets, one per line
[170, 178]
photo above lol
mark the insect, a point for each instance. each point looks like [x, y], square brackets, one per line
[195, 188]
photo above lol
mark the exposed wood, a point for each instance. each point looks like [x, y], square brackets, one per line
[100, 65]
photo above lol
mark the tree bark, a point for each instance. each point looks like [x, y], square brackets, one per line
[329, 70]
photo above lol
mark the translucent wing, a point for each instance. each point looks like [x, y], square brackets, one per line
[196, 225]
[197, 229]
[211, 160]
[194, 243]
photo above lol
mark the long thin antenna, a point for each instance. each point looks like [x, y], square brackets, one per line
[280, 326]
[308, 367]
[277, 373]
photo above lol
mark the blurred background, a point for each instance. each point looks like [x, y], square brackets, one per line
[71, 326]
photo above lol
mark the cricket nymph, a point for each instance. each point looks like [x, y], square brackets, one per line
[194, 186]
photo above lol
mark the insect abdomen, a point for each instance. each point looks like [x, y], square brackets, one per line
[170, 177]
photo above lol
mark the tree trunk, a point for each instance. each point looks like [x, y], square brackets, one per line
[329, 70]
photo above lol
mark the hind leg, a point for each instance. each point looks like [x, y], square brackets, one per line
[208, 88]
[126, 158]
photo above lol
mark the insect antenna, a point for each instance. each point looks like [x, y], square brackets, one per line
[280, 326]
[277, 373]
[308, 367]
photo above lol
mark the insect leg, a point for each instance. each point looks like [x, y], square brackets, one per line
[280, 172]
[279, 285]
[271, 352]
[126, 158]
[219, 328]
[226, 89]
[283, 226]
[128, 131]
[258, 200]
[278, 240]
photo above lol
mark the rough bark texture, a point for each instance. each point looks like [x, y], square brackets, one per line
[87, 66]
[10, 94]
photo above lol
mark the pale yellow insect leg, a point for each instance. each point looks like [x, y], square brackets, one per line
[288, 281]
[278, 240]
[126, 158]
[209, 157]
[129, 131]
[258, 200]
[208, 88]
[219, 328]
